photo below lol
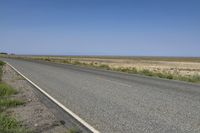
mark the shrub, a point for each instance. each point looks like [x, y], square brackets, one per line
[169, 76]
[47, 59]
[134, 70]
[77, 63]
[66, 61]
[146, 72]
[2, 63]
[104, 66]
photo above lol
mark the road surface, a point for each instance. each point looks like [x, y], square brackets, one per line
[118, 103]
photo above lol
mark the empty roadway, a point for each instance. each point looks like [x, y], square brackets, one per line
[118, 103]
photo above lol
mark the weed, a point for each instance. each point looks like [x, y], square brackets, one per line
[10, 125]
[134, 70]
[169, 76]
[2, 63]
[194, 78]
[91, 64]
[77, 63]
[160, 75]
[5, 102]
[73, 131]
[1, 73]
[66, 61]
[146, 72]
[104, 66]
[47, 59]
[6, 90]
[1, 66]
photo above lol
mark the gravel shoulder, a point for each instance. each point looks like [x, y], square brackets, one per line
[34, 115]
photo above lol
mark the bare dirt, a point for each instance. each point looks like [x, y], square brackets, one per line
[34, 115]
[184, 68]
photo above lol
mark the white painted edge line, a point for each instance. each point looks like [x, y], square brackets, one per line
[58, 103]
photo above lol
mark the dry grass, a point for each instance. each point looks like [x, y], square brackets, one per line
[163, 67]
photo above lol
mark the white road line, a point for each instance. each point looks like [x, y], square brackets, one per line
[58, 103]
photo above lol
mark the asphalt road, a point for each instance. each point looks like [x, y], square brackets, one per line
[119, 103]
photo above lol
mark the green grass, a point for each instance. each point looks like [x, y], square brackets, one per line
[2, 63]
[7, 102]
[6, 90]
[1, 66]
[10, 125]
[73, 131]
[1, 72]
[193, 78]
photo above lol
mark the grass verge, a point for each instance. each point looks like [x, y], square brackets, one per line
[6, 90]
[8, 124]
[7, 102]
[1, 71]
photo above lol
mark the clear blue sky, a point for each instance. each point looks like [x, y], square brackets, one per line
[100, 27]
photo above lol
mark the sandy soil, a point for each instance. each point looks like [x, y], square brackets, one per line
[34, 115]
[177, 65]
[184, 68]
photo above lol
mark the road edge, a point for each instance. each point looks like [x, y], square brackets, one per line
[84, 123]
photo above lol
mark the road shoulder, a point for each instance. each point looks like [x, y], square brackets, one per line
[34, 114]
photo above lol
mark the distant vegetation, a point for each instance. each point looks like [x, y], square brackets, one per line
[106, 63]
[3, 53]
[192, 78]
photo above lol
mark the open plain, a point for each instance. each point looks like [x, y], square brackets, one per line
[118, 102]
[177, 68]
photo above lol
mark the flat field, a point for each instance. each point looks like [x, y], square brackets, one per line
[173, 67]
[166, 65]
